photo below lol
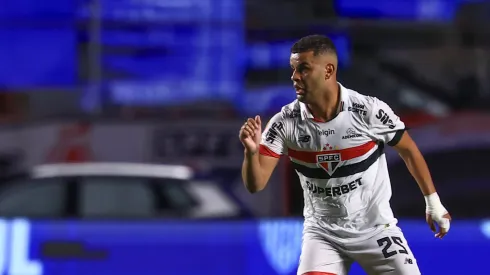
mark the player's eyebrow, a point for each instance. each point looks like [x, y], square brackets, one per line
[302, 64]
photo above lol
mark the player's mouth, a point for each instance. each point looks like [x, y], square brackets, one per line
[299, 90]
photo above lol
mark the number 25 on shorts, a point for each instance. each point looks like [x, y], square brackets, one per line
[387, 242]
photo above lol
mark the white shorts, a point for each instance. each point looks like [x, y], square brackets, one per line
[385, 253]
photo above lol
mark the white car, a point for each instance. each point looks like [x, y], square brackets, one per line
[113, 190]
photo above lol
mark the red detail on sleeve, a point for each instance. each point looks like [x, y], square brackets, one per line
[264, 150]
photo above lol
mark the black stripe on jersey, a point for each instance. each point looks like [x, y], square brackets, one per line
[343, 171]
[398, 136]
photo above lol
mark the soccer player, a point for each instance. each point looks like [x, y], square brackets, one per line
[334, 138]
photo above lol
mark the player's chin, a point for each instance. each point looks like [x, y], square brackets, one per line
[301, 97]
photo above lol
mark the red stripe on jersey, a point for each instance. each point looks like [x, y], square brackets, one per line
[346, 154]
[265, 151]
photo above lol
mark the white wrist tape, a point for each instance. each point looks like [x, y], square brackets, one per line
[433, 203]
[436, 210]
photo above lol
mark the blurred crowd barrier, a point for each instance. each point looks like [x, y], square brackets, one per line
[32, 247]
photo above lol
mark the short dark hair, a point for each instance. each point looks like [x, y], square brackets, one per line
[317, 43]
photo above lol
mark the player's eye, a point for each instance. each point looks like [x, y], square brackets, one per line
[303, 70]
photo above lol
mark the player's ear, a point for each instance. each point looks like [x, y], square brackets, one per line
[329, 70]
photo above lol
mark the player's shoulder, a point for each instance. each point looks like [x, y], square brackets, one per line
[362, 105]
[286, 115]
[358, 98]
[290, 111]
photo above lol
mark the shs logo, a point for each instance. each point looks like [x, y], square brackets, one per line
[271, 135]
[329, 162]
[385, 119]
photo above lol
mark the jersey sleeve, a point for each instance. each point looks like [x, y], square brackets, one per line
[273, 141]
[384, 124]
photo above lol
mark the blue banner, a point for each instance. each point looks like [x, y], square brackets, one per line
[32, 57]
[185, 52]
[416, 10]
[34, 9]
[38, 43]
[215, 248]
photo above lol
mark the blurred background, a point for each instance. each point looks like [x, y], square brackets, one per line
[119, 121]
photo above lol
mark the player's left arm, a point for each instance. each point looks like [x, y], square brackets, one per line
[387, 127]
[435, 211]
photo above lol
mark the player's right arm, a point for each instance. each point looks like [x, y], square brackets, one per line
[262, 152]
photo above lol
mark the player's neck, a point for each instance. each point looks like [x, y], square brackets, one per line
[328, 106]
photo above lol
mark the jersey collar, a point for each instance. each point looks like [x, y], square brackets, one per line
[305, 112]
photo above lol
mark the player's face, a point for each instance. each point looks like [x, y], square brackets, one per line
[308, 76]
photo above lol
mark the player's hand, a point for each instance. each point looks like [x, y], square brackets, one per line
[443, 223]
[436, 214]
[250, 134]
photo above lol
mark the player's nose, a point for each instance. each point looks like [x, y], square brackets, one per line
[295, 77]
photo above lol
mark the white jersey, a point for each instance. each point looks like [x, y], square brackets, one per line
[340, 164]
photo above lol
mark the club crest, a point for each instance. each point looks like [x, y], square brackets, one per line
[329, 161]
